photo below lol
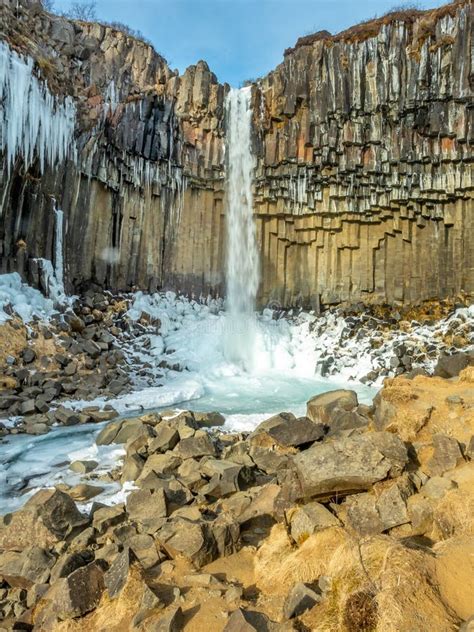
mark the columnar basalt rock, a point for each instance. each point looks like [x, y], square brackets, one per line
[363, 186]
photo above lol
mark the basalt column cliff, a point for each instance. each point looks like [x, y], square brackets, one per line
[363, 188]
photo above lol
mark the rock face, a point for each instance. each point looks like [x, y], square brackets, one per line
[363, 181]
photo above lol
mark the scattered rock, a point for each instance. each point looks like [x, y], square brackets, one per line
[83, 467]
[300, 598]
[310, 518]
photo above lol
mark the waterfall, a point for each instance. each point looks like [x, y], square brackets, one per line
[242, 272]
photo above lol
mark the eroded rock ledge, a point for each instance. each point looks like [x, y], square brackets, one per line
[364, 176]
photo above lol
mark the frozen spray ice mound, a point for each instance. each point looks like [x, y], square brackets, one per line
[24, 301]
[193, 336]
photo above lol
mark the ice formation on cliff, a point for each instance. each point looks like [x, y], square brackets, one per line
[33, 122]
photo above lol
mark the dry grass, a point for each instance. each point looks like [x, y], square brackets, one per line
[422, 23]
[12, 340]
[394, 586]
[377, 584]
[278, 565]
[453, 515]
[422, 408]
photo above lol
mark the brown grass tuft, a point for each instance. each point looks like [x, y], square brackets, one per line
[361, 612]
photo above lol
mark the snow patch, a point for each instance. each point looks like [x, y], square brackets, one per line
[25, 301]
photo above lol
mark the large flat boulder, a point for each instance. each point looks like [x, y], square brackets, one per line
[349, 464]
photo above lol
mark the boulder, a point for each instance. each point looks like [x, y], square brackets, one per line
[191, 540]
[83, 467]
[310, 518]
[437, 486]
[132, 429]
[172, 621]
[321, 408]
[189, 473]
[28, 407]
[144, 548]
[197, 446]
[226, 533]
[446, 455]
[160, 464]
[69, 562]
[166, 438]
[116, 577]
[289, 431]
[242, 620]
[24, 569]
[391, 506]
[451, 365]
[349, 464]
[147, 508]
[46, 518]
[67, 417]
[84, 492]
[301, 597]
[105, 517]
[132, 468]
[343, 420]
[226, 477]
[107, 435]
[123, 431]
[369, 514]
[263, 504]
[78, 593]
[209, 420]
[97, 415]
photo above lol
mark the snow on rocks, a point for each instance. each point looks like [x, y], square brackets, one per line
[19, 298]
[365, 348]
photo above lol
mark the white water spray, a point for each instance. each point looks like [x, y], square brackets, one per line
[242, 254]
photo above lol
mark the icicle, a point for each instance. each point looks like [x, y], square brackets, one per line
[33, 122]
[58, 247]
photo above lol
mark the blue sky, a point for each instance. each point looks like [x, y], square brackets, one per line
[240, 39]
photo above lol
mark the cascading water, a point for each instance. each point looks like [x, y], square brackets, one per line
[242, 273]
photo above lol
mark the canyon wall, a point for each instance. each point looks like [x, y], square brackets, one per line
[363, 182]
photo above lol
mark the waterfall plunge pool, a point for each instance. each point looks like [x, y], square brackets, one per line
[194, 335]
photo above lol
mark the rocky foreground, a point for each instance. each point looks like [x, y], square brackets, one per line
[350, 518]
